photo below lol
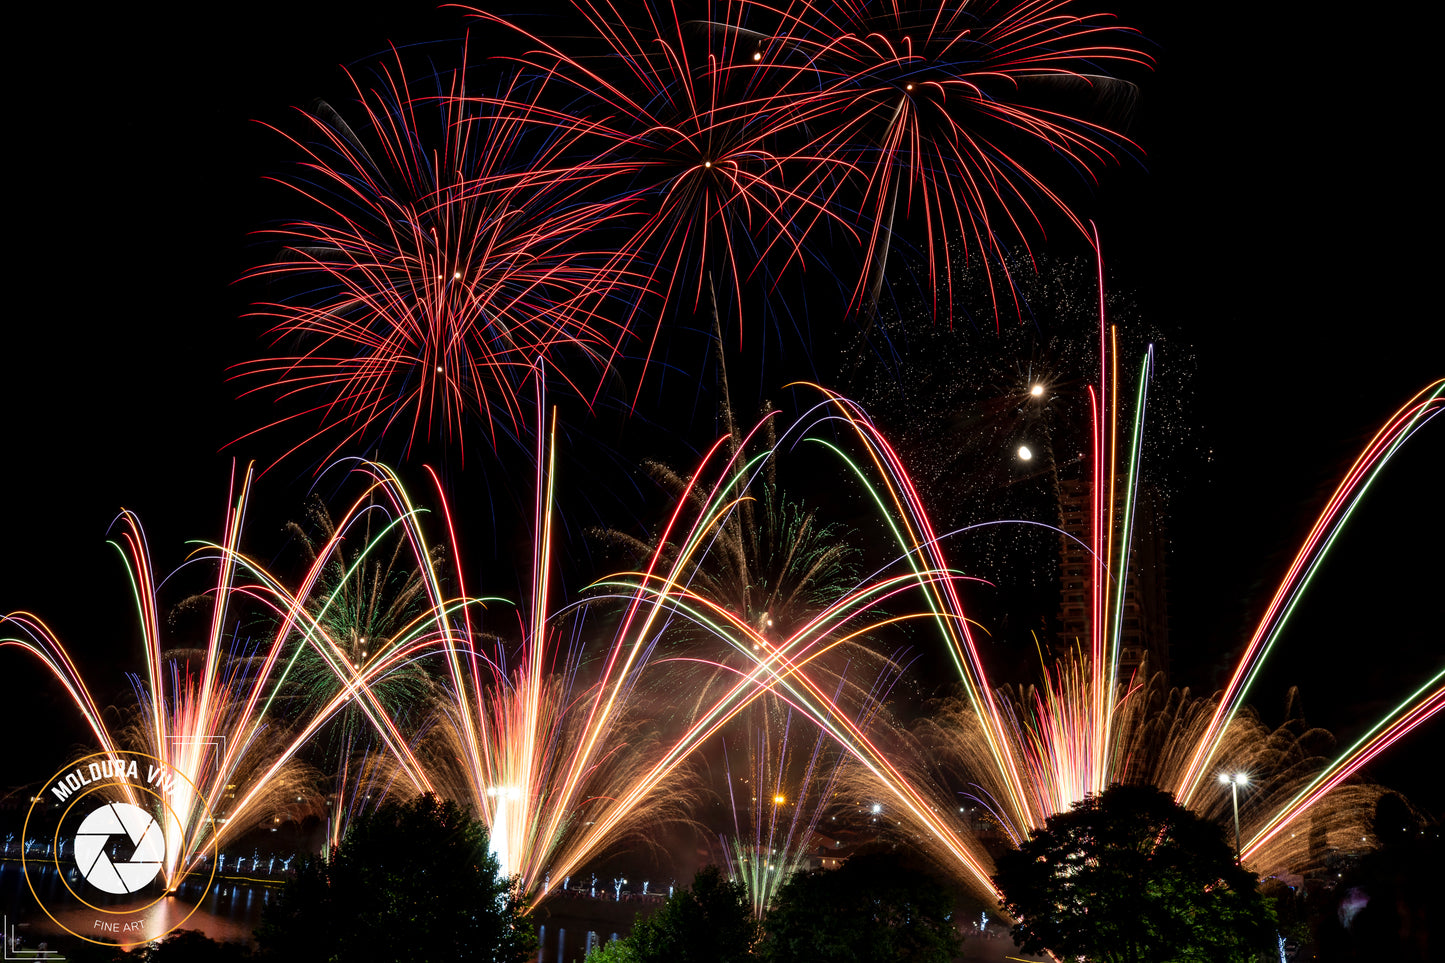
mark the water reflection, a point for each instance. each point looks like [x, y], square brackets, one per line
[225, 910]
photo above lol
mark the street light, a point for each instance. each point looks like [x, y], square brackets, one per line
[1235, 780]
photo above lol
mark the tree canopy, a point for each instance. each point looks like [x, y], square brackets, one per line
[875, 909]
[413, 881]
[1129, 875]
[710, 922]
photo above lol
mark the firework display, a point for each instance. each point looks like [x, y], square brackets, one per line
[469, 227]
[683, 123]
[941, 110]
[442, 267]
[1088, 726]
[907, 604]
[209, 712]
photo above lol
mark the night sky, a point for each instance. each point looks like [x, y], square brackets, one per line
[1284, 220]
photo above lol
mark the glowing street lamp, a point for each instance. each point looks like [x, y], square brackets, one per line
[1235, 780]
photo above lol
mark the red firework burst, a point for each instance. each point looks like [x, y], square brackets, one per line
[681, 124]
[444, 263]
[954, 106]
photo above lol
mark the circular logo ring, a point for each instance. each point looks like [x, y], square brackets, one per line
[210, 819]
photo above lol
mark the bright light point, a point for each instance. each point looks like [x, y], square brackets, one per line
[909, 87]
[707, 163]
[757, 57]
[779, 800]
[439, 369]
[457, 276]
[1036, 390]
[877, 808]
[1224, 778]
[1024, 453]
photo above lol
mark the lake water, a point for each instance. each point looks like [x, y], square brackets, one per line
[226, 910]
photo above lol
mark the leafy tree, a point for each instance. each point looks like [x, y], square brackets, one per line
[875, 909]
[1129, 875]
[614, 951]
[712, 922]
[414, 881]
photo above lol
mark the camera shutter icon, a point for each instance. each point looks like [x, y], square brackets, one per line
[119, 876]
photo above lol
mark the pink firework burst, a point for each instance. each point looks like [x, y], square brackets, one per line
[445, 261]
[955, 115]
[678, 122]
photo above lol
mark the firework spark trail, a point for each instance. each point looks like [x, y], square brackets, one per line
[1054, 761]
[1074, 737]
[436, 274]
[1414, 415]
[777, 845]
[37, 639]
[781, 668]
[784, 666]
[210, 713]
[362, 781]
[1080, 733]
[680, 124]
[1075, 733]
[204, 724]
[936, 102]
[1421, 705]
[367, 600]
[306, 614]
[899, 503]
[552, 762]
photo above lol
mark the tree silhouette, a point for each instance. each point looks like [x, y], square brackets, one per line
[1129, 875]
[413, 881]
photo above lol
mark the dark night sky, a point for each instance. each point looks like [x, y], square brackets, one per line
[1286, 220]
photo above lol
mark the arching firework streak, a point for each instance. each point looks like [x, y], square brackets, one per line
[1043, 753]
[208, 712]
[555, 763]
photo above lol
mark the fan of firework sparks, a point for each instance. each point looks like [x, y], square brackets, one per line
[546, 745]
[213, 712]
